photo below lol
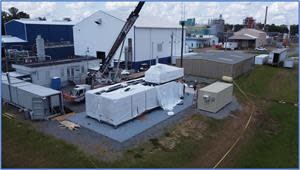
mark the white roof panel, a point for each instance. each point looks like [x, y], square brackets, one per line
[11, 39]
[216, 87]
[39, 90]
[39, 22]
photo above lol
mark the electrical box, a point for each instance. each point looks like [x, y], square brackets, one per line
[214, 97]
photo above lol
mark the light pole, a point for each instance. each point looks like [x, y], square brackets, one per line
[182, 35]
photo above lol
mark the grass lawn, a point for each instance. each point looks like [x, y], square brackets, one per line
[274, 139]
[271, 142]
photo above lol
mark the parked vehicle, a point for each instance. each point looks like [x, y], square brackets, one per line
[261, 49]
[77, 94]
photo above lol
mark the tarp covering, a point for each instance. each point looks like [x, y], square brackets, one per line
[162, 73]
[169, 94]
[126, 103]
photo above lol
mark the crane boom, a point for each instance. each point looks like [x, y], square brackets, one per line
[122, 35]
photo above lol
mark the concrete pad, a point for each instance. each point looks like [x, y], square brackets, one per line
[132, 128]
[224, 112]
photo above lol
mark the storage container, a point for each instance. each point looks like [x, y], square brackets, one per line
[214, 97]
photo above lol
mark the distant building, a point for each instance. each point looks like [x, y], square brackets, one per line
[217, 64]
[201, 41]
[190, 22]
[249, 38]
[58, 36]
[216, 27]
[193, 42]
[249, 22]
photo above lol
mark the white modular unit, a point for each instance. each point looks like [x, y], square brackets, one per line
[288, 63]
[277, 56]
[231, 45]
[261, 59]
[126, 103]
[162, 73]
[24, 94]
[120, 105]
[214, 97]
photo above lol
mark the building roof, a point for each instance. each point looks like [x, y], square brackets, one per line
[197, 39]
[279, 50]
[227, 57]
[58, 62]
[39, 90]
[247, 34]
[216, 87]
[242, 37]
[6, 39]
[39, 22]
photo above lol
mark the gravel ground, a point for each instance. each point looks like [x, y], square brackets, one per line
[103, 147]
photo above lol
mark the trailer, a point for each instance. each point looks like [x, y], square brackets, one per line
[277, 57]
[39, 101]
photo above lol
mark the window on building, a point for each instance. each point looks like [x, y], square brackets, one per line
[192, 44]
[47, 74]
[68, 72]
[82, 69]
[37, 76]
[159, 47]
[62, 72]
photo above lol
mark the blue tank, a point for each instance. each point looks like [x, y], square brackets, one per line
[56, 83]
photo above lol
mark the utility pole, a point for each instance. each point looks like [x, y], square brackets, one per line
[266, 15]
[172, 45]
[182, 35]
[7, 73]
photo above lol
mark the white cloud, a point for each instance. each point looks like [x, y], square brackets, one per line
[165, 13]
[39, 9]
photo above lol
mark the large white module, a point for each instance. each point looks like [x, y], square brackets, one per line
[214, 97]
[162, 73]
[126, 103]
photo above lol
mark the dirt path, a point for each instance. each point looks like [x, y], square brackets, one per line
[222, 140]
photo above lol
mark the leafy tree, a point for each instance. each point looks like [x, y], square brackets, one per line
[294, 29]
[10, 14]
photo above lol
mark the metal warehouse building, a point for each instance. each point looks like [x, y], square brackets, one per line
[217, 64]
[95, 35]
[58, 36]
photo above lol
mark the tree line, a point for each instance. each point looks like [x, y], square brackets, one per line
[269, 28]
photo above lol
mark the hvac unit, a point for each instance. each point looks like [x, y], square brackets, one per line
[214, 97]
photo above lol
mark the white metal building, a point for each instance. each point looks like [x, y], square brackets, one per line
[74, 69]
[95, 35]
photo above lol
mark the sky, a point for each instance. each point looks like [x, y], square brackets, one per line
[165, 13]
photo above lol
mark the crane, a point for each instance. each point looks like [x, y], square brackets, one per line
[77, 94]
[122, 35]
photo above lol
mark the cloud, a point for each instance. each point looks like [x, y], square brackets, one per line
[120, 5]
[165, 13]
[35, 9]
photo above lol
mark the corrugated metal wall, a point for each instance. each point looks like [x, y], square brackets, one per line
[50, 33]
[242, 67]
[213, 69]
[16, 29]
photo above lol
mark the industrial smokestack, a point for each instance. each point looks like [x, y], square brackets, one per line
[266, 14]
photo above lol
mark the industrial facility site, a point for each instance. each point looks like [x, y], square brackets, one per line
[117, 86]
